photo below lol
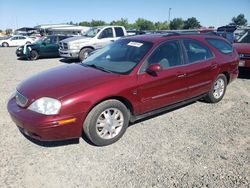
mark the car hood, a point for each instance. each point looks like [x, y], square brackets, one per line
[78, 39]
[63, 81]
[242, 47]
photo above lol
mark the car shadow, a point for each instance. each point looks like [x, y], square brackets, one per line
[68, 61]
[244, 73]
[51, 143]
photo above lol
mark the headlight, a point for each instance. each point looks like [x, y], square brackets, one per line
[46, 105]
[71, 46]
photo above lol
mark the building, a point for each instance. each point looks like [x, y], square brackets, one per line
[62, 29]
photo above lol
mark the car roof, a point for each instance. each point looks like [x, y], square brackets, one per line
[157, 38]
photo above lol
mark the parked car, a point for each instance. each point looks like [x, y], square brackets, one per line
[243, 48]
[132, 78]
[45, 47]
[16, 41]
[95, 38]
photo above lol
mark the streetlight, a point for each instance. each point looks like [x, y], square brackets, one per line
[169, 10]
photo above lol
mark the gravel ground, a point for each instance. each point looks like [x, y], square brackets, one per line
[199, 145]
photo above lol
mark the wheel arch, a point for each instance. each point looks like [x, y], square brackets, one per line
[123, 100]
[87, 47]
[227, 76]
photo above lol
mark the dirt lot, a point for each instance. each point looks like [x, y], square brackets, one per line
[199, 145]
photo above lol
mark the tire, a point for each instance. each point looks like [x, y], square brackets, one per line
[106, 122]
[5, 44]
[218, 89]
[84, 53]
[34, 55]
[28, 42]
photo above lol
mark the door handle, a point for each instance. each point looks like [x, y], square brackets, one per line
[182, 75]
[214, 66]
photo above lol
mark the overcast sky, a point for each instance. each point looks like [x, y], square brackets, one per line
[19, 13]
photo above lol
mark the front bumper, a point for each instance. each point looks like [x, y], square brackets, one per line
[44, 127]
[19, 53]
[74, 54]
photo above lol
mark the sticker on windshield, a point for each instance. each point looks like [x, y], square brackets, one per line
[135, 44]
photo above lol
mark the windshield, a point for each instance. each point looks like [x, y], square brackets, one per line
[92, 32]
[120, 57]
[245, 38]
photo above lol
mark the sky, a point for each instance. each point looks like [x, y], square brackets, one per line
[29, 13]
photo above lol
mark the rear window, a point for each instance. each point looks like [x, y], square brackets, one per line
[221, 45]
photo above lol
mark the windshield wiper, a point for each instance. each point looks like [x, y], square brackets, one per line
[97, 67]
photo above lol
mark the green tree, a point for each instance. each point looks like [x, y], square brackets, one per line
[240, 20]
[143, 24]
[85, 23]
[121, 22]
[8, 31]
[1, 30]
[162, 25]
[191, 23]
[94, 23]
[176, 23]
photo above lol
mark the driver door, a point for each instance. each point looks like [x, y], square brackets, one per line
[168, 86]
[105, 37]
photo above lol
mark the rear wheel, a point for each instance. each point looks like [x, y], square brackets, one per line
[34, 55]
[218, 89]
[5, 44]
[106, 122]
[84, 53]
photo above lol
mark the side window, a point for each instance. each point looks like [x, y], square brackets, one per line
[107, 33]
[220, 45]
[22, 38]
[14, 38]
[119, 32]
[48, 40]
[167, 55]
[196, 51]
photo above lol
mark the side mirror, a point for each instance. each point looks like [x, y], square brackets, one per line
[153, 69]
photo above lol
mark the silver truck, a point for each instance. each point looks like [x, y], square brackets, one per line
[97, 37]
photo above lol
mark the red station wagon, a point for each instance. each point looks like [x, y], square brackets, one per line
[130, 79]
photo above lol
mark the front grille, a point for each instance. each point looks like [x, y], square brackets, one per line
[63, 45]
[21, 100]
[244, 56]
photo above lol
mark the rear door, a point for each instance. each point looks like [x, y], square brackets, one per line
[169, 85]
[200, 67]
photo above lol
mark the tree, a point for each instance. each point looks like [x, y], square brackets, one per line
[85, 23]
[1, 30]
[94, 23]
[162, 25]
[240, 20]
[143, 24]
[121, 22]
[191, 23]
[8, 31]
[176, 23]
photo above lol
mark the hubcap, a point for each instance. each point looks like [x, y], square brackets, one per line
[109, 123]
[219, 87]
[85, 55]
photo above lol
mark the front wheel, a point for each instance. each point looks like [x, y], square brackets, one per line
[34, 55]
[84, 53]
[106, 122]
[5, 44]
[218, 89]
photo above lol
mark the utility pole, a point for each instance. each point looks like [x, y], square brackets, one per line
[169, 10]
